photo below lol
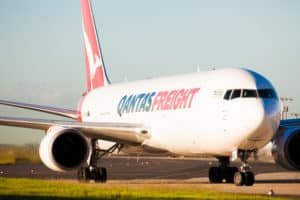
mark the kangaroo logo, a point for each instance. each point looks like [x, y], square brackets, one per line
[93, 60]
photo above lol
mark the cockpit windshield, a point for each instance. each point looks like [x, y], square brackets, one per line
[236, 94]
[266, 93]
[249, 93]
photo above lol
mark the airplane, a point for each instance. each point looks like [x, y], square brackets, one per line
[228, 114]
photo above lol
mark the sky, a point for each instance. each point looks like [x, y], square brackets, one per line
[41, 46]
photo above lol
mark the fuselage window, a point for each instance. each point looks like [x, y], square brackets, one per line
[266, 93]
[236, 94]
[249, 93]
[227, 95]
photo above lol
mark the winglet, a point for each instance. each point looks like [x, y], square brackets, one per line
[95, 69]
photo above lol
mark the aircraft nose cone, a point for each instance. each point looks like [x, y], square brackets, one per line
[256, 122]
[264, 121]
[256, 116]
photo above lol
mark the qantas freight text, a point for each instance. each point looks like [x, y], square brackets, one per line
[155, 101]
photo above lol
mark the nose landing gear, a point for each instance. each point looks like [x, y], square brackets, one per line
[244, 176]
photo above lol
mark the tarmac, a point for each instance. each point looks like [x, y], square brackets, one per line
[270, 178]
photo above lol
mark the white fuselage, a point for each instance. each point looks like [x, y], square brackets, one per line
[187, 114]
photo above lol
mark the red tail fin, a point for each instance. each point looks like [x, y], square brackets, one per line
[96, 75]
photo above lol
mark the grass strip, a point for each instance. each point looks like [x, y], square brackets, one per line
[27, 189]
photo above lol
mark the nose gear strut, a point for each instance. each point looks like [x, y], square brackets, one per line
[244, 176]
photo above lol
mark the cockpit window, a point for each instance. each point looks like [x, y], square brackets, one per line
[227, 95]
[236, 94]
[249, 93]
[266, 93]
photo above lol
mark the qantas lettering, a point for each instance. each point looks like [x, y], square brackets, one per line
[156, 101]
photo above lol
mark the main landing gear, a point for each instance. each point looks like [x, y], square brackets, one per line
[92, 172]
[225, 173]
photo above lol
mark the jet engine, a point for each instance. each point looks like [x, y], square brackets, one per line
[64, 149]
[286, 148]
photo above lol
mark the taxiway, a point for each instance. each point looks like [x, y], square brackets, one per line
[147, 170]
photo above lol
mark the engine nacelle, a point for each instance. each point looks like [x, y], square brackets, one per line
[64, 149]
[286, 148]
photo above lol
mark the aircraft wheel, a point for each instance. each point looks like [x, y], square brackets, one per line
[229, 175]
[101, 176]
[83, 174]
[215, 175]
[249, 178]
[239, 178]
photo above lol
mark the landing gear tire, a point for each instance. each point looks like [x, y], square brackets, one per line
[101, 175]
[218, 174]
[249, 178]
[230, 174]
[244, 178]
[215, 175]
[85, 174]
[92, 172]
[239, 178]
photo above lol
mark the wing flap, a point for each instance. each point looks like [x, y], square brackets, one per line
[41, 108]
[116, 132]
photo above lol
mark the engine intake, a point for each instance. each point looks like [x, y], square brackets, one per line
[64, 149]
[286, 148]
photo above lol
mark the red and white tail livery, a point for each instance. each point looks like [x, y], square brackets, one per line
[96, 75]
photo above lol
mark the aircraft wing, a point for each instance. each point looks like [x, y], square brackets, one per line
[46, 109]
[290, 122]
[116, 132]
